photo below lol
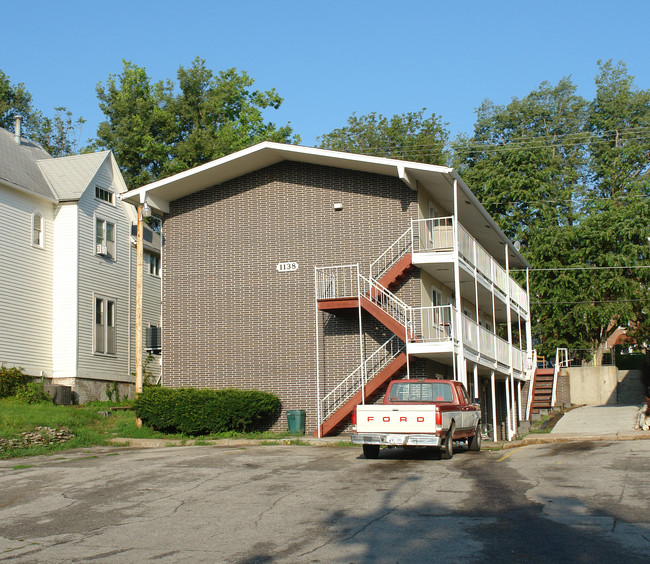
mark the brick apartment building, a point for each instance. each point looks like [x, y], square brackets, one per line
[316, 274]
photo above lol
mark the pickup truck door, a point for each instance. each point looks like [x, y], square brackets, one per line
[468, 419]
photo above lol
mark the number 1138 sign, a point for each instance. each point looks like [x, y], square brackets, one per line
[287, 267]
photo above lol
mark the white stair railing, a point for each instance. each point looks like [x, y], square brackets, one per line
[561, 360]
[352, 383]
[391, 256]
[529, 404]
[383, 298]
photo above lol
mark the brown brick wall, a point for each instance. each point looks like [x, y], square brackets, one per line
[231, 319]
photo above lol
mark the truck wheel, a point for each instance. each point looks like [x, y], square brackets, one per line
[474, 442]
[448, 448]
[371, 451]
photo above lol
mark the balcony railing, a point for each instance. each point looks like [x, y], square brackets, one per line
[432, 324]
[436, 235]
[438, 324]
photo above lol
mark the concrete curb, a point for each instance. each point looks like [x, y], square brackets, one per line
[159, 443]
[333, 441]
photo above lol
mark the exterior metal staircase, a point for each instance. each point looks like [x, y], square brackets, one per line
[542, 389]
[344, 288]
[544, 385]
[365, 381]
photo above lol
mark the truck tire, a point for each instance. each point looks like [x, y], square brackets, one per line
[474, 442]
[447, 451]
[371, 451]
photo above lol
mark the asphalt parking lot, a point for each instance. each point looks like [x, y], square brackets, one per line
[567, 502]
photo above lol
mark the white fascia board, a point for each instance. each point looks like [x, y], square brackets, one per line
[488, 218]
[263, 155]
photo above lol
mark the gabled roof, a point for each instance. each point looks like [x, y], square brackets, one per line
[19, 168]
[439, 181]
[70, 176]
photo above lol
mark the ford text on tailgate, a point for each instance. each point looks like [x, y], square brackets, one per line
[419, 413]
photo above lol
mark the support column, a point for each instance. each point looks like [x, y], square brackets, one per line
[457, 297]
[475, 382]
[494, 405]
[519, 400]
[508, 409]
[319, 412]
[510, 388]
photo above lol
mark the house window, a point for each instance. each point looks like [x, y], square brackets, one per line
[104, 195]
[104, 337]
[104, 238]
[153, 339]
[37, 230]
[152, 261]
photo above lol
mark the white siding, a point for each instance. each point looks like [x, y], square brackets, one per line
[102, 277]
[151, 311]
[65, 288]
[25, 284]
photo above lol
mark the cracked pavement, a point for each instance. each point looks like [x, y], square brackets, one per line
[575, 502]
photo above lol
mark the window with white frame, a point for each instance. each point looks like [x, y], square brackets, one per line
[37, 230]
[104, 238]
[104, 337]
[104, 195]
[152, 262]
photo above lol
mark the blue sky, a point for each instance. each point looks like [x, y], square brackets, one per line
[327, 59]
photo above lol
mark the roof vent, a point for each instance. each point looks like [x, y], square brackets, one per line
[18, 122]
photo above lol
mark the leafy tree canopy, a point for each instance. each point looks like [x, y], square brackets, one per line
[568, 178]
[58, 135]
[158, 129]
[411, 136]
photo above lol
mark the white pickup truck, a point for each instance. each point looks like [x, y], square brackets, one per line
[419, 413]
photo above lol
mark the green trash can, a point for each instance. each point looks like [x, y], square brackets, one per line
[296, 420]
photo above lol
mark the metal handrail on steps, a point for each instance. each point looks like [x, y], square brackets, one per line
[391, 255]
[352, 383]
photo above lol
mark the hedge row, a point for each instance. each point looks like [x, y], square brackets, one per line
[200, 412]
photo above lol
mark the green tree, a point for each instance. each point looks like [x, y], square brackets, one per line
[58, 135]
[14, 100]
[525, 161]
[159, 129]
[410, 136]
[615, 230]
[569, 179]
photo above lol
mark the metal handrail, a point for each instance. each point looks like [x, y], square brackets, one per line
[383, 298]
[432, 324]
[561, 359]
[353, 382]
[391, 256]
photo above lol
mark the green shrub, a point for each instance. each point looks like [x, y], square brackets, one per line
[33, 392]
[200, 412]
[11, 380]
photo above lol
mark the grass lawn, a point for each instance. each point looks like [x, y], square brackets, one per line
[88, 423]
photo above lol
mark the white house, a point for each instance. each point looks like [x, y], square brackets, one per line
[67, 281]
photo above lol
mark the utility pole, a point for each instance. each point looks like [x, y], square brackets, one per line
[138, 310]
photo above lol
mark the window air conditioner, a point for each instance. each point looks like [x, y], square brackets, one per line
[101, 250]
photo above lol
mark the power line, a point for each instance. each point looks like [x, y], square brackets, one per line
[591, 302]
[563, 268]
